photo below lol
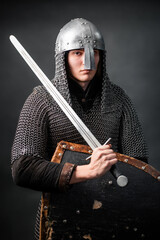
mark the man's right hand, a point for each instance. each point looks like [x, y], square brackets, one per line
[102, 160]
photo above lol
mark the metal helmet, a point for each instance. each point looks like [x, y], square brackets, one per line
[80, 34]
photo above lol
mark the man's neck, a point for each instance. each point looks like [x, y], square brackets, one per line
[83, 85]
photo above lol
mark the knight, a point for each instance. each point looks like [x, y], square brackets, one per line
[105, 108]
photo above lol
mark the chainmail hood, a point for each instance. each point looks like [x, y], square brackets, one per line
[61, 77]
[68, 39]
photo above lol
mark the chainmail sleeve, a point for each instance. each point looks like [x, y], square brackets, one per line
[131, 139]
[31, 166]
[31, 133]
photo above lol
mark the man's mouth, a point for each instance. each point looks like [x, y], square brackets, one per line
[85, 71]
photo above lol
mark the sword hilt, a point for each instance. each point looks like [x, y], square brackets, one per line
[122, 180]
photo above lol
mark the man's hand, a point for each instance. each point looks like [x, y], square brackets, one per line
[102, 160]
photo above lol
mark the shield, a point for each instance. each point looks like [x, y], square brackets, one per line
[99, 209]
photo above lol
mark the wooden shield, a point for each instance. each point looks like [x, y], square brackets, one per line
[99, 209]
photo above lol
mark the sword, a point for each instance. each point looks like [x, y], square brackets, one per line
[66, 108]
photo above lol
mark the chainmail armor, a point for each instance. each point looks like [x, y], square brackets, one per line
[117, 114]
[42, 124]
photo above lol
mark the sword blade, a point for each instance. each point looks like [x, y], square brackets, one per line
[70, 113]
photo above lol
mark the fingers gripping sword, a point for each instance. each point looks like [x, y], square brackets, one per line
[70, 113]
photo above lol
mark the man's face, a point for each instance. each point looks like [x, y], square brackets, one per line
[76, 66]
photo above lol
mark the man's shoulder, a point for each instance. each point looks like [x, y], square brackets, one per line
[38, 96]
[40, 89]
[40, 93]
[114, 88]
[116, 91]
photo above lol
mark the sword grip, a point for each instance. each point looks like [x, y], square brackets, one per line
[122, 180]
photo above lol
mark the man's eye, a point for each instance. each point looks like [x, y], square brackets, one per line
[77, 53]
[95, 52]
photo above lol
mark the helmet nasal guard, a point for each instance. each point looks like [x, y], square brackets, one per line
[80, 34]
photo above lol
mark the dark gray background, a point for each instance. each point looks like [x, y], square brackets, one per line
[131, 30]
